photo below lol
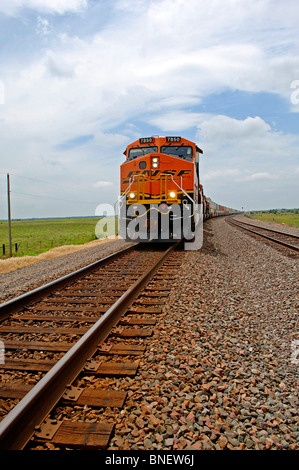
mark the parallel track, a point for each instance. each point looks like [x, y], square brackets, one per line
[277, 237]
[79, 298]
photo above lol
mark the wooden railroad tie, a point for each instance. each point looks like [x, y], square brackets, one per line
[90, 397]
[78, 435]
[117, 348]
[109, 369]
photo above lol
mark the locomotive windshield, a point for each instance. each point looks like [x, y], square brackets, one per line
[138, 152]
[182, 151]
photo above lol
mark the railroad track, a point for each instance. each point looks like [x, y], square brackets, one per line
[91, 323]
[289, 241]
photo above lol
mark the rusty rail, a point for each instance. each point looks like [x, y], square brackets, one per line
[274, 240]
[291, 235]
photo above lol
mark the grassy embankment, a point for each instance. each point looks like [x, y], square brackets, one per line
[287, 217]
[37, 236]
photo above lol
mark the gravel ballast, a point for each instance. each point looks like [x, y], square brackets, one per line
[218, 373]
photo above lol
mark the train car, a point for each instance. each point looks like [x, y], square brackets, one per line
[159, 180]
[216, 210]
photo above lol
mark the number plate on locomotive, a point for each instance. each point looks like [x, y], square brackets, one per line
[173, 139]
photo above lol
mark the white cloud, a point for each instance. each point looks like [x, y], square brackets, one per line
[42, 27]
[225, 172]
[103, 184]
[260, 176]
[13, 7]
[129, 68]
[248, 161]
[57, 67]
[205, 46]
[221, 128]
[251, 136]
[235, 174]
[176, 121]
[108, 140]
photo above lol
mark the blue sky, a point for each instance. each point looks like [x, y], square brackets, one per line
[81, 79]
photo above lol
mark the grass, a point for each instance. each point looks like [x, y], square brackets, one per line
[37, 236]
[287, 217]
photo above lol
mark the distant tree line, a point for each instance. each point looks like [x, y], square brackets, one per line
[277, 211]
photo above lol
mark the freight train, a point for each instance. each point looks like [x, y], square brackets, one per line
[161, 197]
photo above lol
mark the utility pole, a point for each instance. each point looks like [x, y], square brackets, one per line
[9, 215]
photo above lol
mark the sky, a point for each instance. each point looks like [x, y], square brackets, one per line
[82, 79]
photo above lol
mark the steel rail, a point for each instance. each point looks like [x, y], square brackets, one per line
[291, 235]
[16, 304]
[275, 240]
[18, 426]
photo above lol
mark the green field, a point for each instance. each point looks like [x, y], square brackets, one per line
[37, 236]
[287, 217]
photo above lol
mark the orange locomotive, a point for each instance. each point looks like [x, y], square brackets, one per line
[160, 174]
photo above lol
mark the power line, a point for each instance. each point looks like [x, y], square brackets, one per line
[55, 198]
[48, 182]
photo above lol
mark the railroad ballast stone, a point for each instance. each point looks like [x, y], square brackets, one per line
[218, 373]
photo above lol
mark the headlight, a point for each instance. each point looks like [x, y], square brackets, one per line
[155, 162]
[172, 194]
[132, 195]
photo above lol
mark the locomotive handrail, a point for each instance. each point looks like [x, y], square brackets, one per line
[180, 187]
[130, 184]
[168, 174]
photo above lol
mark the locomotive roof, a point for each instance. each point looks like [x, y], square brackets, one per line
[158, 141]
